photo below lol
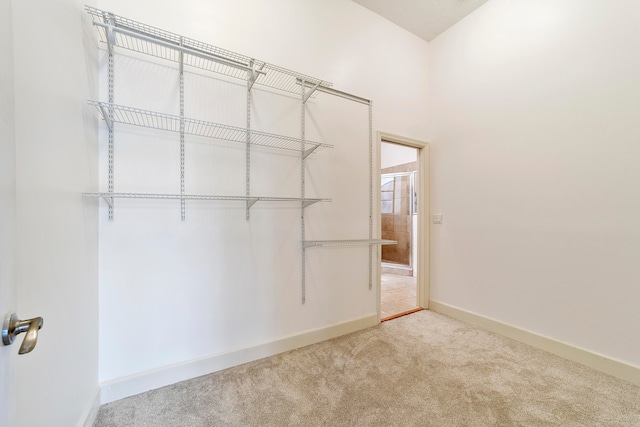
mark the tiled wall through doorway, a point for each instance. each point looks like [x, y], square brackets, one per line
[397, 212]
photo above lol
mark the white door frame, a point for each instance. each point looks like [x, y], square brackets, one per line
[423, 246]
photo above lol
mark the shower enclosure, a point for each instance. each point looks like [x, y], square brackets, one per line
[398, 206]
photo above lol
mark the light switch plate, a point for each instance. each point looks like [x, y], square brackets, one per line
[437, 218]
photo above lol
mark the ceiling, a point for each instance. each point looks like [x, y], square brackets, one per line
[424, 18]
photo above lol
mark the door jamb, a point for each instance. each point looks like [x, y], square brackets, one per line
[423, 244]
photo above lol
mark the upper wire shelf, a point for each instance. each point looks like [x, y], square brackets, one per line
[151, 119]
[128, 34]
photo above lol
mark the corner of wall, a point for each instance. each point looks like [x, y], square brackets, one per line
[156, 378]
[616, 368]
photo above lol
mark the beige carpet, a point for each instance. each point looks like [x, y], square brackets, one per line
[419, 370]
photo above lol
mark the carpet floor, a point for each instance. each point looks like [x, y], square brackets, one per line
[423, 369]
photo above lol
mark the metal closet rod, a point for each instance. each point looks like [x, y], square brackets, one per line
[335, 92]
[184, 49]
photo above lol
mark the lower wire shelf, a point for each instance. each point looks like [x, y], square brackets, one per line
[338, 243]
[251, 199]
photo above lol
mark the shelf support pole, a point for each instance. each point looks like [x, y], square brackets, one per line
[303, 205]
[182, 200]
[250, 82]
[109, 117]
[371, 194]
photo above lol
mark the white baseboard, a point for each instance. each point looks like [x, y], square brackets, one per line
[593, 360]
[91, 411]
[156, 378]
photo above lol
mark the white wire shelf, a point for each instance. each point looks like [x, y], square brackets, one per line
[136, 36]
[250, 199]
[344, 243]
[151, 119]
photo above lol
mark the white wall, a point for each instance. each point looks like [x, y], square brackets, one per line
[56, 160]
[394, 155]
[534, 106]
[215, 282]
[7, 213]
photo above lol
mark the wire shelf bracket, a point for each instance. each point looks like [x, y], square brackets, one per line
[308, 152]
[251, 202]
[310, 92]
[254, 73]
[105, 115]
[107, 199]
[308, 202]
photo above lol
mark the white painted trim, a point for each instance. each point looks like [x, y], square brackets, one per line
[120, 388]
[608, 365]
[90, 413]
[424, 213]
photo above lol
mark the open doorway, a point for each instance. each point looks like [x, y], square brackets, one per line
[402, 174]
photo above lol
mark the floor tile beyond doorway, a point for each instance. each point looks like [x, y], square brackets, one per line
[398, 294]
